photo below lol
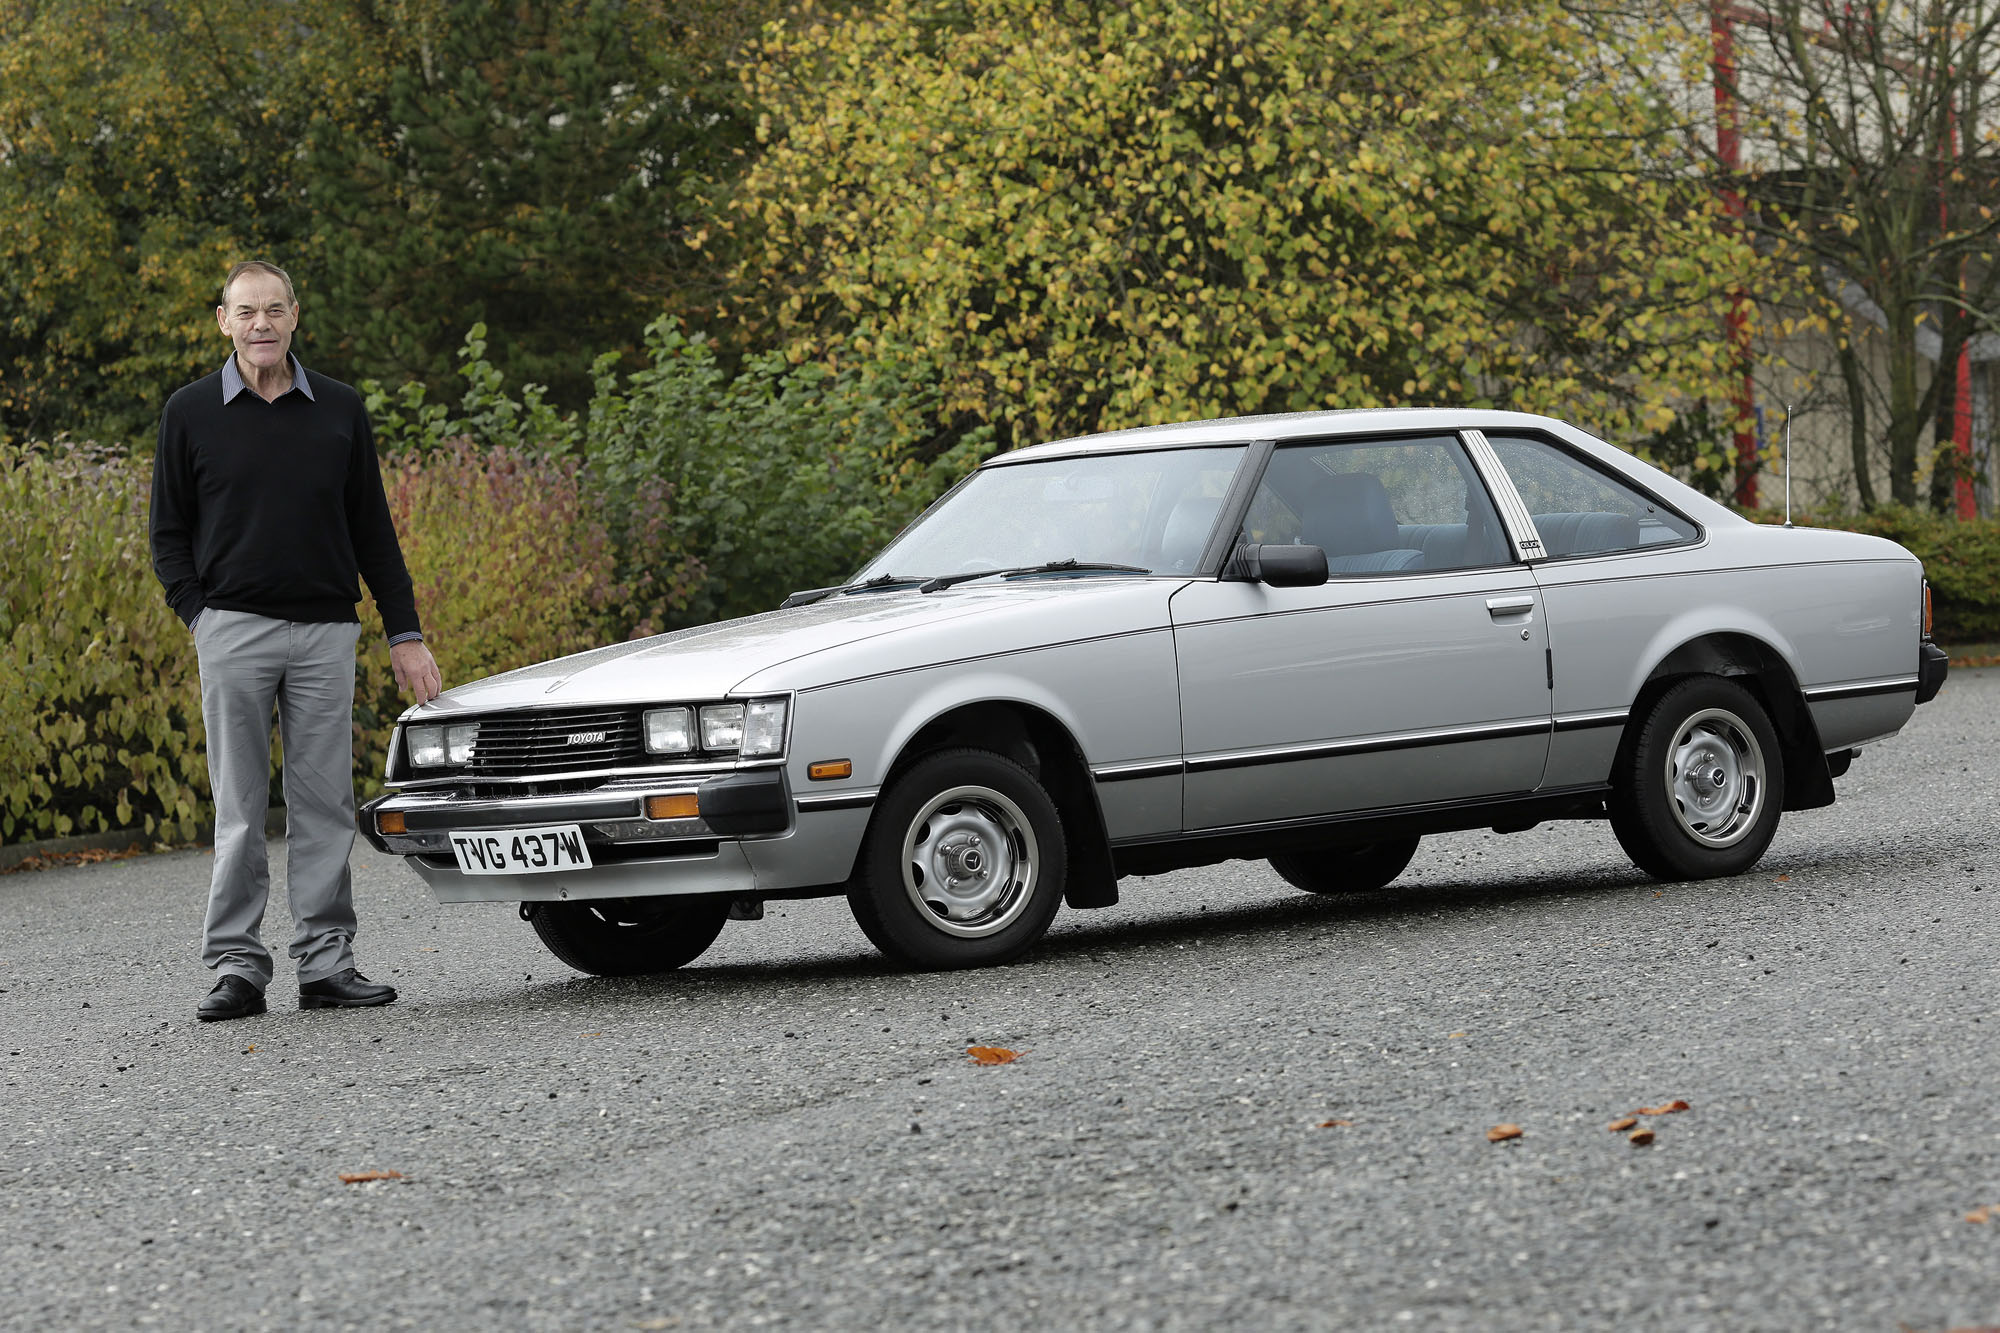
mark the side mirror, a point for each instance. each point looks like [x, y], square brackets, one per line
[1280, 566]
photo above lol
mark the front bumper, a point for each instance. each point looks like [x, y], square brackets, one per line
[631, 854]
[1932, 667]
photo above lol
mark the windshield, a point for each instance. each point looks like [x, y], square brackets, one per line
[1152, 511]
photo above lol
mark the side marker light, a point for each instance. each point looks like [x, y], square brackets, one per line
[673, 807]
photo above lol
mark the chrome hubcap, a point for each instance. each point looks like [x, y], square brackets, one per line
[1715, 777]
[969, 861]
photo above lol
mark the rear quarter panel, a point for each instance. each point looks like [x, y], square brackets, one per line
[1840, 609]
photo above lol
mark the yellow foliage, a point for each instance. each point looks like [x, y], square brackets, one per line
[1099, 216]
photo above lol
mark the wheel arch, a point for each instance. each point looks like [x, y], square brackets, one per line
[1760, 668]
[1039, 741]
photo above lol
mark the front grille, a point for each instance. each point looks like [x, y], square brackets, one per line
[514, 745]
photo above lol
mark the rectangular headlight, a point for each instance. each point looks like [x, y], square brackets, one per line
[764, 727]
[722, 726]
[670, 730]
[458, 741]
[425, 746]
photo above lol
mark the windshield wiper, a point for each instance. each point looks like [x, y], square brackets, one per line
[944, 581]
[810, 595]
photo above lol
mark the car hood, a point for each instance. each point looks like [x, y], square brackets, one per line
[840, 638]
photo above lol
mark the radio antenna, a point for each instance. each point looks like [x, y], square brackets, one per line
[1788, 465]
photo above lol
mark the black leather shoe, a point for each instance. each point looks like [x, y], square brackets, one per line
[344, 990]
[233, 997]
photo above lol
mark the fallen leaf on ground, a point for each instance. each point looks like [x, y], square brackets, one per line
[993, 1055]
[87, 856]
[1622, 1124]
[1501, 1133]
[1980, 1215]
[1782, 879]
[1675, 1105]
[1641, 1137]
[1329, 1124]
[249, 1048]
[361, 1177]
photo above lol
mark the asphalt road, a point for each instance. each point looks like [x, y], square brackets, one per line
[790, 1132]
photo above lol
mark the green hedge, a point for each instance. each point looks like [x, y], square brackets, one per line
[98, 684]
[100, 708]
[1961, 560]
[511, 567]
[723, 489]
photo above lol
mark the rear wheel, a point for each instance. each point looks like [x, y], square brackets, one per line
[1702, 785]
[1356, 869]
[964, 863]
[628, 937]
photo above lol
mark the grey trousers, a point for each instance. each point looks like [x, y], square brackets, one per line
[249, 664]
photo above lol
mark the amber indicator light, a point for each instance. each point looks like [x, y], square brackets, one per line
[391, 821]
[673, 807]
[826, 770]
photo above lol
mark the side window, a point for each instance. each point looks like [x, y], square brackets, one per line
[1579, 510]
[1379, 506]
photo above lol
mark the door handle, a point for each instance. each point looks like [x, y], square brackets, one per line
[1509, 606]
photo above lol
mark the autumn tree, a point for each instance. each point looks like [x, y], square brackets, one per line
[1872, 157]
[419, 166]
[1860, 138]
[139, 155]
[529, 167]
[1093, 213]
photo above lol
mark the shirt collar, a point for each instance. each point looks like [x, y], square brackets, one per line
[232, 379]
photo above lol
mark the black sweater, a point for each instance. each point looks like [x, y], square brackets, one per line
[275, 508]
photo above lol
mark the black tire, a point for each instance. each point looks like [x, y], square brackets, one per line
[1357, 869]
[630, 937]
[964, 863]
[1701, 783]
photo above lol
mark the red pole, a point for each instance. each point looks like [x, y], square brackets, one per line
[1736, 324]
[1961, 434]
[1961, 398]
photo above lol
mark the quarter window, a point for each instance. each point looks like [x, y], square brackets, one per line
[1379, 506]
[1579, 510]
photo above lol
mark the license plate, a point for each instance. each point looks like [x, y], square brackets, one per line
[521, 851]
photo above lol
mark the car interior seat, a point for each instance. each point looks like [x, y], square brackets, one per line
[1586, 534]
[1186, 534]
[1347, 515]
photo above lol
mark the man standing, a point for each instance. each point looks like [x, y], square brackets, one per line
[267, 507]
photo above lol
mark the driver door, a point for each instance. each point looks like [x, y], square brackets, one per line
[1417, 674]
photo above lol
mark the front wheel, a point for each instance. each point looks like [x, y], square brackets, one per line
[1699, 792]
[1358, 869]
[629, 937]
[963, 865]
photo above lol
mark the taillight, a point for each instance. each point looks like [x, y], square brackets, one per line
[1927, 610]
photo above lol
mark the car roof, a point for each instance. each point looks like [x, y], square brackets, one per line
[1282, 426]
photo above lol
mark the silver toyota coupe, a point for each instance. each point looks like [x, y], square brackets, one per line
[1310, 639]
